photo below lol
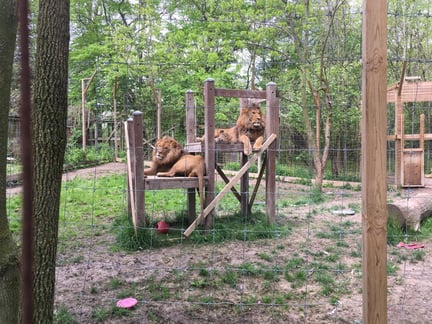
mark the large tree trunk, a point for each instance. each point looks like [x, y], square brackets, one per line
[9, 257]
[49, 142]
[410, 212]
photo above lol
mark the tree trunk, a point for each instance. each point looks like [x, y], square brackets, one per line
[49, 142]
[410, 212]
[9, 257]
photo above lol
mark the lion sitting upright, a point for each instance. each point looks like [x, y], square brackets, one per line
[169, 160]
[250, 127]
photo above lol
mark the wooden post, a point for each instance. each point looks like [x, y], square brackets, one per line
[422, 127]
[374, 184]
[139, 167]
[190, 117]
[244, 187]
[115, 119]
[399, 128]
[209, 143]
[159, 111]
[84, 88]
[272, 127]
[244, 181]
[83, 114]
[190, 138]
[129, 126]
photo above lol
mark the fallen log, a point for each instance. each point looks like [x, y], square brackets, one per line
[411, 211]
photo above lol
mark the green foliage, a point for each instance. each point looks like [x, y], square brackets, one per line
[64, 316]
[75, 157]
[230, 277]
[99, 315]
[226, 228]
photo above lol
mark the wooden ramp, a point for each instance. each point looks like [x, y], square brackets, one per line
[229, 185]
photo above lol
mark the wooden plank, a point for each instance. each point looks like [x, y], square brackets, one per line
[235, 93]
[198, 147]
[131, 192]
[209, 143]
[413, 168]
[139, 167]
[228, 187]
[373, 163]
[190, 117]
[227, 180]
[412, 137]
[272, 127]
[412, 92]
[422, 128]
[161, 183]
[257, 184]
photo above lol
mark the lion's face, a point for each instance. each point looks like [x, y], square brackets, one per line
[167, 150]
[251, 118]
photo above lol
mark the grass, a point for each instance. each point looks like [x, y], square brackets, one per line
[63, 315]
[100, 207]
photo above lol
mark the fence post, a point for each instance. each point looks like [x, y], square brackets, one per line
[139, 167]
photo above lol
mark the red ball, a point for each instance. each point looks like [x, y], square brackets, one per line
[162, 227]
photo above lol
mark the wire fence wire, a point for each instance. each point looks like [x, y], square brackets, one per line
[306, 268]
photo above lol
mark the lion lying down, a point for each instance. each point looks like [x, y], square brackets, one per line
[169, 160]
[249, 128]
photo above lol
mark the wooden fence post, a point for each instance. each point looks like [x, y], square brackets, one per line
[272, 127]
[209, 143]
[139, 167]
[373, 163]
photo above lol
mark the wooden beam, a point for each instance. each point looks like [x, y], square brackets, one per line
[257, 184]
[209, 142]
[412, 137]
[115, 88]
[84, 88]
[272, 127]
[229, 185]
[227, 180]
[234, 93]
[131, 192]
[190, 117]
[139, 168]
[401, 82]
[373, 163]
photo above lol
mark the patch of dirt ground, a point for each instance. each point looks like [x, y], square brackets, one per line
[310, 275]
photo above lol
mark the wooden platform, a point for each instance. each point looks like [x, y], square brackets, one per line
[209, 149]
[160, 183]
[198, 147]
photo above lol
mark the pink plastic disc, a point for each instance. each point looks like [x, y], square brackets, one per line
[127, 302]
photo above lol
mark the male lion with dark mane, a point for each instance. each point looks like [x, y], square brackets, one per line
[251, 126]
[169, 160]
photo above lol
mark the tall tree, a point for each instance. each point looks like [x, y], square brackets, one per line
[49, 141]
[9, 259]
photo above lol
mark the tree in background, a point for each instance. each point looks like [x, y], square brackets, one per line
[9, 255]
[49, 141]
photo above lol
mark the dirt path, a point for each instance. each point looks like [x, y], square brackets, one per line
[93, 172]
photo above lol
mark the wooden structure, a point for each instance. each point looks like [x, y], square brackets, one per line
[137, 182]
[409, 162]
[373, 163]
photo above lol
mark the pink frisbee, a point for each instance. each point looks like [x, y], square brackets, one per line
[127, 302]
